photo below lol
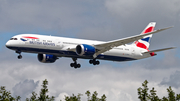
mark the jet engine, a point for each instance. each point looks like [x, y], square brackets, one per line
[84, 49]
[46, 58]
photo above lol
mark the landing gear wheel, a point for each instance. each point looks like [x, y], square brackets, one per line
[78, 65]
[20, 57]
[90, 61]
[75, 65]
[72, 64]
[94, 62]
[97, 62]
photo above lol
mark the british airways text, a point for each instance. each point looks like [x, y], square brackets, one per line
[41, 43]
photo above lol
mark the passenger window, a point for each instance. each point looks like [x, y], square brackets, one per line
[13, 39]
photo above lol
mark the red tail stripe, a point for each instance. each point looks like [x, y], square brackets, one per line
[150, 29]
[141, 45]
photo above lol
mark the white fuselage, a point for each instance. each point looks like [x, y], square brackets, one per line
[61, 47]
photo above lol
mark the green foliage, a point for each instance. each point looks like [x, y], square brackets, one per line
[88, 93]
[145, 96]
[43, 94]
[94, 96]
[73, 97]
[90, 98]
[103, 98]
[178, 97]
[143, 92]
[164, 99]
[171, 94]
[153, 96]
[33, 97]
[6, 95]
[18, 98]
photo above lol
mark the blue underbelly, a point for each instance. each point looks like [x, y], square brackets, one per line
[71, 54]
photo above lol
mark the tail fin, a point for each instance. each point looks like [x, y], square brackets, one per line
[144, 43]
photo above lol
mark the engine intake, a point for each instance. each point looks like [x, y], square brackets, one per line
[46, 58]
[84, 49]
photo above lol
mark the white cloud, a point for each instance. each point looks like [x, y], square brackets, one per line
[61, 96]
[24, 88]
[173, 80]
[131, 8]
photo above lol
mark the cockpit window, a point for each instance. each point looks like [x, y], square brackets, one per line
[13, 39]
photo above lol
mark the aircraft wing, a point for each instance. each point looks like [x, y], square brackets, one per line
[115, 43]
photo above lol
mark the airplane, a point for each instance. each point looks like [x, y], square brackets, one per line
[49, 48]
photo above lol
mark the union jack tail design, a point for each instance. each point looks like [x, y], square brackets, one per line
[144, 43]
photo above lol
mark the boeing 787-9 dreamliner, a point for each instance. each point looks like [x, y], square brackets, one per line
[49, 48]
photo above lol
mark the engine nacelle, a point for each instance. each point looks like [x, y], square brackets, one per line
[84, 49]
[46, 58]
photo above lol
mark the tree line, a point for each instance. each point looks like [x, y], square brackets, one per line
[144, 94]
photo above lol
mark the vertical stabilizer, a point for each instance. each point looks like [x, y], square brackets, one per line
[144, 43]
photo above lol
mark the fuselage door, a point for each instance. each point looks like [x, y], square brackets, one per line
[132, 51]
[59, 45]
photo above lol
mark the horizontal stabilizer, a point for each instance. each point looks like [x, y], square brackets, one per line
[158, 50]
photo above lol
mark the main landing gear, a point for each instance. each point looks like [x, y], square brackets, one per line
[75, 65]
[19, 56]
[94, 62]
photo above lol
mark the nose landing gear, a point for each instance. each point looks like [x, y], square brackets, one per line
[19, 56]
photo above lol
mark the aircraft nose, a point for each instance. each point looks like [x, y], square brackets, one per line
[8, 44]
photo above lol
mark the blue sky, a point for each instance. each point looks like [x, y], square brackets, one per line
[103, 20]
